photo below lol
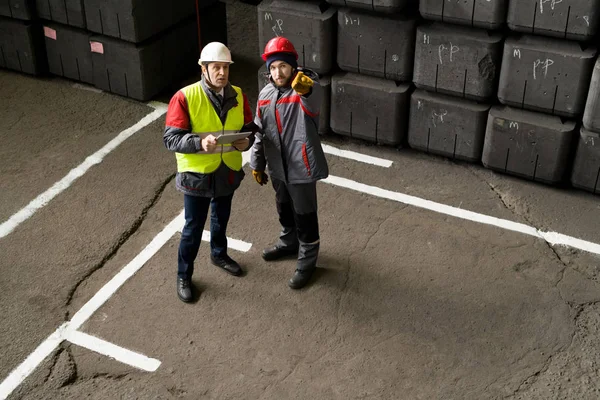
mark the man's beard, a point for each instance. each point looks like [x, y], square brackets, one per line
[287, 83]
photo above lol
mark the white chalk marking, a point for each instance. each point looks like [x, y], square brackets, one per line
[118, 353]
[87, 87]
[43, 199]
[18, 375]
[351, 155]
[553, 238]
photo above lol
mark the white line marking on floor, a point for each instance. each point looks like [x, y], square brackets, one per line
[246, 157]
[9, 225]
[352, 155]
[17, 376]
[118, 353]
[551, 237]
[235, 244]
[130, 269]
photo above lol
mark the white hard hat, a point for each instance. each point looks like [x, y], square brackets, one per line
[215, 52]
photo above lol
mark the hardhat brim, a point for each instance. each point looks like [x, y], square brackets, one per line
[205, 61]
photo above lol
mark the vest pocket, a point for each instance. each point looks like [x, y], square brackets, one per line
[196, 182]
[231, 180]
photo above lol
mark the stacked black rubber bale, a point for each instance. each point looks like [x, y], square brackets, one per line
[586, 166]
[138, 48]
[132, 48]
[67, 40]
[310, 26]
[21, 38]
[375, 52]
[547, 65]
[457, 65]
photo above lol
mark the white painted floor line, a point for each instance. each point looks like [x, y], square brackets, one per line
[67, 331]
[9, 225]
[235, 244]
[130, 269]
[352, 155]
[18, 375]
[551, 237]
[118, 353]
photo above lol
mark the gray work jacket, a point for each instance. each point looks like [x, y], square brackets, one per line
[289, 146]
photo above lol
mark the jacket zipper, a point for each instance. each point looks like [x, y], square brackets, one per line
[305, 158]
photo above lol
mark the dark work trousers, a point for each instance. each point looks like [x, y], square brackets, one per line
[297, 209]
[196, 212]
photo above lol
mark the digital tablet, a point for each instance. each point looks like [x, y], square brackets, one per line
[229, 138]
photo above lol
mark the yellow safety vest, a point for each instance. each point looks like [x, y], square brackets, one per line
[205, 121]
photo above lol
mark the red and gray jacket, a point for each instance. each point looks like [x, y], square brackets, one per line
[289, 146]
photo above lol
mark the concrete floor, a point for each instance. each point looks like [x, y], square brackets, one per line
[407, 303]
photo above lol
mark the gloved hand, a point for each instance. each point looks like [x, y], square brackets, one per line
[261, 177]
[302, 83]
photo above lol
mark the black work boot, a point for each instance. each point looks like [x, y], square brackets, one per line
[276, 252]
[307, 262]
[226, 263]
[185, 290]
[300, 278]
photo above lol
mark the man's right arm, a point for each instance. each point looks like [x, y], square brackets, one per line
[178, 136]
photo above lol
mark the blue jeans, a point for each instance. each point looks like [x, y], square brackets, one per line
[196, 211]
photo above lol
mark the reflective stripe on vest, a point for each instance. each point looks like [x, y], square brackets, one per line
[204, 120]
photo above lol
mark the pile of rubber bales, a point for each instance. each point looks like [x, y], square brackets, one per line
[498, 82]
[129, 47]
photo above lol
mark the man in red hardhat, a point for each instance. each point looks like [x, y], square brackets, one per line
[207, 172]
[289, 147]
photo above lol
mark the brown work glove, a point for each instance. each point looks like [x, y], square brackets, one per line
[261, 177]
[302, 84]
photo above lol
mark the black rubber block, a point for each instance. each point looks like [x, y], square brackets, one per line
[325, 81]
[68, 12]
[135, 20]
[310, 25]
[447, 126]
[546, 75]
[22, 46]
[382, 6]
[569, 19]
[457, 60]
[369, 108]
[591, 115]
[69, 53]
[487, 14]
[213, 23]
[527, 144]
[586, 167]
[18, 9]
[376, 45]
[142, 71]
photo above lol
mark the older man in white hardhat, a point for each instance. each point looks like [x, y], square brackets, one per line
[209, 167]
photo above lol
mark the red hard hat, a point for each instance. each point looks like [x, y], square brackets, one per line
[279, 45]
